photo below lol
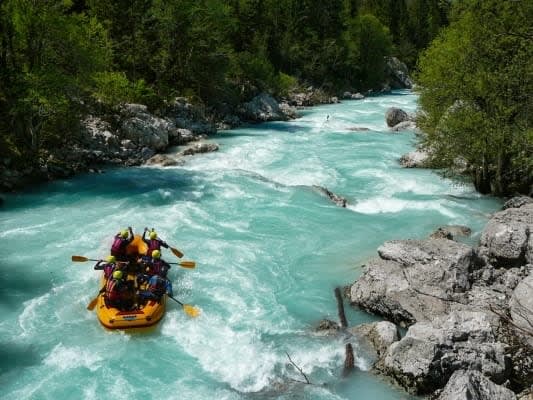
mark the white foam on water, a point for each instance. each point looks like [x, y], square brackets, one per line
[63, 358]
[30, 320]
[236, 358]
[379, 205]
[31, 230]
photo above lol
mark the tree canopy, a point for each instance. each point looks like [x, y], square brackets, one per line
[475, 93]
[60, 58]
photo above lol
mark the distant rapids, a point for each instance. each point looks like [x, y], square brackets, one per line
[269, 248]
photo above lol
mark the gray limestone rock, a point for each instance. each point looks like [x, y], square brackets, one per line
[451, 231]
[394, 116]
[203, 147]
[506, 240]
[414, 280]
[521, 307]
[262, 107]
[472, 385]
[517, 202]
[415, 159]
[432, 351]
[380, 335]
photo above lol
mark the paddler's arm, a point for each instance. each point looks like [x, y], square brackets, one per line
[168, 288]
[99, 266]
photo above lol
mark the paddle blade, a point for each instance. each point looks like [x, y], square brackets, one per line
[191, 311]
[79, 259]
[187, 264]
[176, 252]
[92, 304]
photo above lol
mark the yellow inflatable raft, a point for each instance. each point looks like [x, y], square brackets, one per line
[145, 316]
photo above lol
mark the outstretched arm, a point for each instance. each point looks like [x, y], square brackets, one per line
[99, 265]
[168, 288]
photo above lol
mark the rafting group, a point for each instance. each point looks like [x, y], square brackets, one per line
[134, 283]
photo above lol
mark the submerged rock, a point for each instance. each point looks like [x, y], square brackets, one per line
[338, 200]
[327, 327]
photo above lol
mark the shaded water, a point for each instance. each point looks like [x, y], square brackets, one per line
[269, 248]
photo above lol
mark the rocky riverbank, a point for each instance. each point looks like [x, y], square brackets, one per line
[132, 134]
[468, 310]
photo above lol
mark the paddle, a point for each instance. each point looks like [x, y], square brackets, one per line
[83, 259]
[176, 252]
[191, 311]
[93, 302]
[185, 264]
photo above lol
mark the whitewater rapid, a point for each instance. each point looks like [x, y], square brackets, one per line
[269, 250]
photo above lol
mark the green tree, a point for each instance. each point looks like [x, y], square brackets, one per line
[368, 42]
[475, 92]
[48, 56]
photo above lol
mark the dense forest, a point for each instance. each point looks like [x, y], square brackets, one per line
[60, 59]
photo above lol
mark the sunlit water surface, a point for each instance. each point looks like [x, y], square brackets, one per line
[270, 249]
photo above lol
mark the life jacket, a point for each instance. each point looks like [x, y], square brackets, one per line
[158, 267]
[118, 247]
[115, 291]
[153, 244]
[108, 270]
[157, 285]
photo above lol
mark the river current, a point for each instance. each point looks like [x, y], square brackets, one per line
[269, 248]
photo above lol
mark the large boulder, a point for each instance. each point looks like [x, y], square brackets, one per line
[506, 240]
[397, 73]
[186, 115]
[431, 351]
[414, 280]
[473, 385]
[379, 335]
[143, 128]
[394, 116]
[261, 108]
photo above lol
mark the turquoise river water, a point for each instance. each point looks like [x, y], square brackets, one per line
[269, 249]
